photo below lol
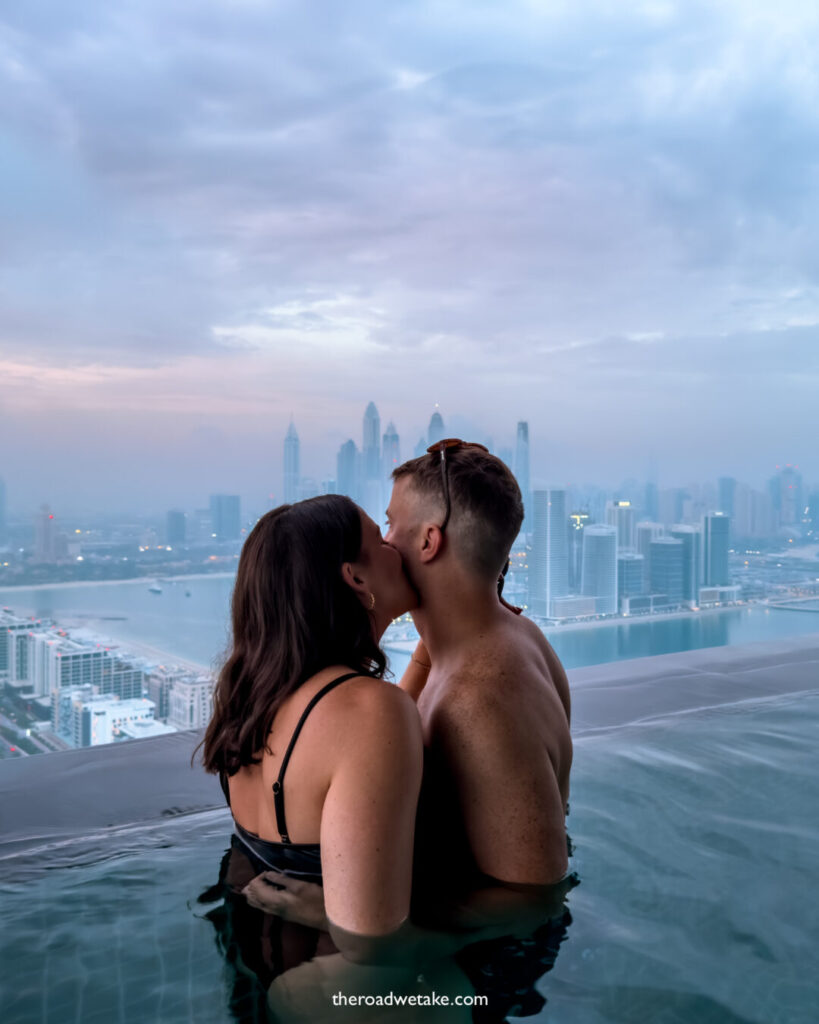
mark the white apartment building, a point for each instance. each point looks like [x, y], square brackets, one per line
[191, 702]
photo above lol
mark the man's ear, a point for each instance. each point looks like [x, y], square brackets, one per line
[432, 542]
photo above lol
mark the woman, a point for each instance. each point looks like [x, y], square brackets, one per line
[319, 757]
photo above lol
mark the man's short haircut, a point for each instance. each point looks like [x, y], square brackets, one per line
[487, 508]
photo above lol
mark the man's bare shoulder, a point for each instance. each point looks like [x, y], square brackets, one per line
[554, 667]
[505, 671]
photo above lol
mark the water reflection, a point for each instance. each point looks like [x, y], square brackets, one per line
[281, 971]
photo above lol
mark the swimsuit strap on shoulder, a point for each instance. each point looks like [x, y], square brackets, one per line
[278, 785]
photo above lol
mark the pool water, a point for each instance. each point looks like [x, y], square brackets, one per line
[696, 842]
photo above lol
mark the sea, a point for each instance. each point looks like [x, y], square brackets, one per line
[188, 622]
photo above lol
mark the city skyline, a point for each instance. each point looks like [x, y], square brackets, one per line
[321, 466]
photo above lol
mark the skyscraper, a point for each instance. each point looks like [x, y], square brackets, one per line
[371, 446]
[522, 472]
[621, 514]
[667, 570]
[292, 465]
[347, 470]
[691, 538]
[45, 536]
[390, 452]
[629, 574]
[646, 532]
[436, 430]
[651, 503]
[371, 464]
[175, 526]
[600, 567]
[225, 516]
[727, 489]
[716, 540]
[549, 568]
[578, 521]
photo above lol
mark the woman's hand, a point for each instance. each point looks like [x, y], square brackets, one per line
[288, 898]
[510, 607]
[415, 676]
[421, 655]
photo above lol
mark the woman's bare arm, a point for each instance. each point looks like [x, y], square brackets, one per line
[368, 818]
[415, 676]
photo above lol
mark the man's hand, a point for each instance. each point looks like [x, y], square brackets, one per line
[288, 898]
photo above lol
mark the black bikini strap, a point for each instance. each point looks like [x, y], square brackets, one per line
[278, 785]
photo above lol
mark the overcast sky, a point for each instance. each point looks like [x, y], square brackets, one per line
[600, 217]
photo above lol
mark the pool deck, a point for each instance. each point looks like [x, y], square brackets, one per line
[58, 797]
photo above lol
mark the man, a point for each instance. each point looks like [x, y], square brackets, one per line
[495, 704]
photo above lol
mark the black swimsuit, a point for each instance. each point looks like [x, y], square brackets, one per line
[299, 860]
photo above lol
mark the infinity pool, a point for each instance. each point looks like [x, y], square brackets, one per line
[696, 842]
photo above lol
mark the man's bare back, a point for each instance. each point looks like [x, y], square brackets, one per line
[496, 727]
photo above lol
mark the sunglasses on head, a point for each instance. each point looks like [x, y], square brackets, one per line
[450, 444]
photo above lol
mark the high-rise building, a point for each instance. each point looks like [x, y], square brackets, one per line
[348, 464]
[691, 538]
[225, 516]
[599, 578]
[372, 495]
[645, 533]
[578, 521]
[436, 430]
[754, 515]
[14, 631]
[292, 465]
[549, 567]
[371, 447]
[726, 486]
[45, 536]
[630, 574]
[158, 686]
[191, 703]
[175, 527]
[390, 453]
[522, 472]
[622, 515]
[787, 492]
[716, 540]
[667, 569]
[651, 502]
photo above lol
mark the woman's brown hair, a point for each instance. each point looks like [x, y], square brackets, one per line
[292, 615]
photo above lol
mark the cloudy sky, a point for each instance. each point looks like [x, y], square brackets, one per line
[598, 216]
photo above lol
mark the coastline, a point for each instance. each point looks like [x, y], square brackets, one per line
[633, 620]
[137, 648]
[147, 580]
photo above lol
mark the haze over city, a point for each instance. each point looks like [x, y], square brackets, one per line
[598, 219]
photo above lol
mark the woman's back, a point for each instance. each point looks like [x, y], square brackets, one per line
[350, 789]
[313, 753]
